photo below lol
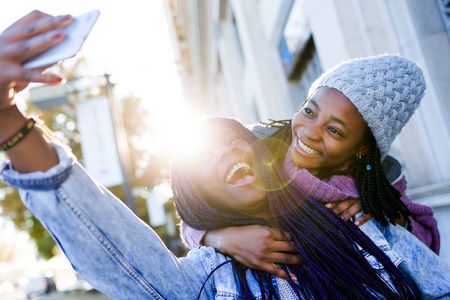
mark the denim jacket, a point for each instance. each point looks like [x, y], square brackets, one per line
[123, 257]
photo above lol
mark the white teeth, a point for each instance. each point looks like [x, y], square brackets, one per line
[307, 149]
[235, 168]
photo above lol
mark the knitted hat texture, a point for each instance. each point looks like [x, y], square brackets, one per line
[385, 89]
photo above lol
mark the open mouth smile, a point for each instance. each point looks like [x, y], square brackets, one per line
[240, 173]
[306, 148]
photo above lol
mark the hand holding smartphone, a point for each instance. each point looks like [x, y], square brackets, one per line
[76, 34]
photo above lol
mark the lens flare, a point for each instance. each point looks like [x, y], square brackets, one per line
[278, 149]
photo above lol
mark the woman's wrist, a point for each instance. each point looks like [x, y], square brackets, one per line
[11, 120]
[33, 153]
[216, 239]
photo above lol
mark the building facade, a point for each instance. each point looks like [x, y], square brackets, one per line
[255, 60]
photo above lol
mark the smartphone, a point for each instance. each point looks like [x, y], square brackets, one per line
[76, 34]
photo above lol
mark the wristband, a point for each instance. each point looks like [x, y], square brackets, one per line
[18, 136]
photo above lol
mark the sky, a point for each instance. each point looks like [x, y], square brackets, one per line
[130, 41]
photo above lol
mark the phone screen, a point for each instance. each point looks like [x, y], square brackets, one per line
[76, 34]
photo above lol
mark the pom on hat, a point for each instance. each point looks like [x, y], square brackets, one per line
[385, 89]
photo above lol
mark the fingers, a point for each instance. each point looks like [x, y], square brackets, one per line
[24, 50]
[351, 211]
[285, 258]
[32, 35]
[274, 270]
[332, 205]
[32, 16]
[344, 205]
[35, 75]
[278, 236]
[14, 76]
[363, 219]
[40, 25]
[281, 246]
[346, 208]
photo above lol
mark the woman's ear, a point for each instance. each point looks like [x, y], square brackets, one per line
[362, 150]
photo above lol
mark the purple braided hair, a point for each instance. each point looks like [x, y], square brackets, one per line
[332, 250]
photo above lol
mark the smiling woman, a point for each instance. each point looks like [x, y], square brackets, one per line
[327, 132]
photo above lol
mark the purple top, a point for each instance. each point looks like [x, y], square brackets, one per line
[339, 187]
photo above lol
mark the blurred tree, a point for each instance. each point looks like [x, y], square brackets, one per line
[147, 169]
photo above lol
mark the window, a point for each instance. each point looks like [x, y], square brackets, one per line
[444, 6]
[295, 36]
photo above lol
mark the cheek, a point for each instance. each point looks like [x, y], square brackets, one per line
[341, 153]
[296, 119]
[261, 195]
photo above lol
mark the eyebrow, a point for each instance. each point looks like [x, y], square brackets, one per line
[315, 104]
[336, 119]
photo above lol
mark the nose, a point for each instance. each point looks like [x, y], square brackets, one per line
[311, 132]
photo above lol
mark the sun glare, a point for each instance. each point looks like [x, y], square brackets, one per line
[174, 129]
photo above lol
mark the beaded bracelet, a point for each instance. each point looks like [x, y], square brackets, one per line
[16, 138]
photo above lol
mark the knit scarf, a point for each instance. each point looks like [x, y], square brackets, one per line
[336, 188]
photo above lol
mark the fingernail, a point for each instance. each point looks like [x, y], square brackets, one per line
[58, 34]
[52, 78]
[328, 205]
[65, 20]
[357, 222]
[293, 277]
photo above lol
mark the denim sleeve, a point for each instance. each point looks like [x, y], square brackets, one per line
[40, 181]
[421, 265]
[106, 243]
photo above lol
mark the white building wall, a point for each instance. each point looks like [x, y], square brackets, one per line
[260, 77]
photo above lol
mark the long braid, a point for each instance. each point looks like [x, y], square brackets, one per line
[346, 230]
[377, 194]
[328, 245]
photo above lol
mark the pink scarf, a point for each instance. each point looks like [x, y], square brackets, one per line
[336, 188]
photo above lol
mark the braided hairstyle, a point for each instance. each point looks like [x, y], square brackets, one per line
[333, 251]
[377, 194]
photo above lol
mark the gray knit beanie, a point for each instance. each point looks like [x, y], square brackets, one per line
[386, 90]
